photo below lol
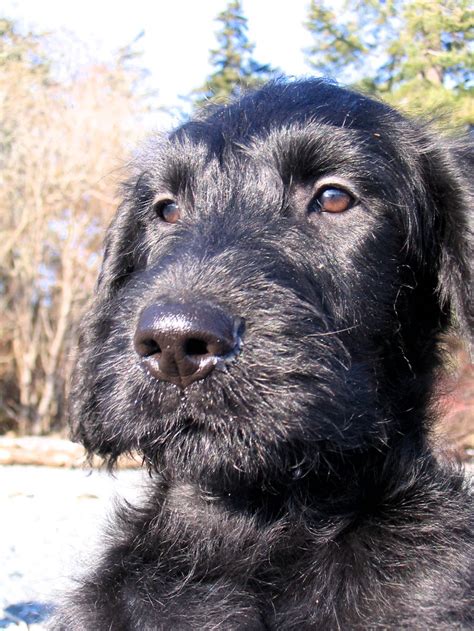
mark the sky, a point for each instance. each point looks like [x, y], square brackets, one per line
[177, 34]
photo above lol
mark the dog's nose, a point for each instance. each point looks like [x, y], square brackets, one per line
[182, 343]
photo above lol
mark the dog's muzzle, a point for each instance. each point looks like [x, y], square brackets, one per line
[182, 343]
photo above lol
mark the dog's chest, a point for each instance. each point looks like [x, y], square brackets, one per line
[287, 574]
[281, 576]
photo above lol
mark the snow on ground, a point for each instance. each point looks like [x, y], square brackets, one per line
[50, 523]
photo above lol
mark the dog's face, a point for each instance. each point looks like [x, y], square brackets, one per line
[273, 286]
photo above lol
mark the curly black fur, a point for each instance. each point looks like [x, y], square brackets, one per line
[296, 488]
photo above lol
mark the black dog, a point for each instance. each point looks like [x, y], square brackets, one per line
[266, 333]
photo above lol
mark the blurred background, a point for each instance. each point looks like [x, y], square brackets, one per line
[82, 84]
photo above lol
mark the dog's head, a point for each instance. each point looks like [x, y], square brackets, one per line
[274, 286]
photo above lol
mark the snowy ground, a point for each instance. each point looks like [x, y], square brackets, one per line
[50, 522]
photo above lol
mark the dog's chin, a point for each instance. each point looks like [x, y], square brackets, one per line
[209, 444]
[207, 462]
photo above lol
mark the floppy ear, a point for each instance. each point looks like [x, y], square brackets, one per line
[119, 245]
[122, 251]
[448, 238]
[122, 243]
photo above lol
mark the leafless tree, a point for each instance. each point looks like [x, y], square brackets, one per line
[60, 146]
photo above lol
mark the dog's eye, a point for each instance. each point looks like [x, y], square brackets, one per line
[167, 210]
[334, 200]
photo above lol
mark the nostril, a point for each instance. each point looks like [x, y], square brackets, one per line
[195, 346]
[148, 347]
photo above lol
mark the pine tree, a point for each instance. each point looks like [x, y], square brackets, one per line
[235, 67]
[414, 53]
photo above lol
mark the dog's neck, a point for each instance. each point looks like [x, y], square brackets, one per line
[336, 485]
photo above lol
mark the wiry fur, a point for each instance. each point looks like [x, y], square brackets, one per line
[296, 488]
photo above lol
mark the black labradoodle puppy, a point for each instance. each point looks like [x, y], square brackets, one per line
[266, 333]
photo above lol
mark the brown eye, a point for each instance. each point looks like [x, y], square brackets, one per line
[334, 200]
[167, 210]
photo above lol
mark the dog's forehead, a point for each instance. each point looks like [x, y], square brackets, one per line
[284, 132]
[289, 126]
[282, 106]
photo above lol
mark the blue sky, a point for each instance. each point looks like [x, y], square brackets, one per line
[178, 33]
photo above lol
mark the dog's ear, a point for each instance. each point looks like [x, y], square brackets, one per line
[122, 244]
[119, 261]
[448, 228]
[119, 247]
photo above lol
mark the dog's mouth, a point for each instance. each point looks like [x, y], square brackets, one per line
[216, 393]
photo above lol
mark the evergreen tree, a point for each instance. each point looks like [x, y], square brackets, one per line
[235, 67]
[414, 53]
